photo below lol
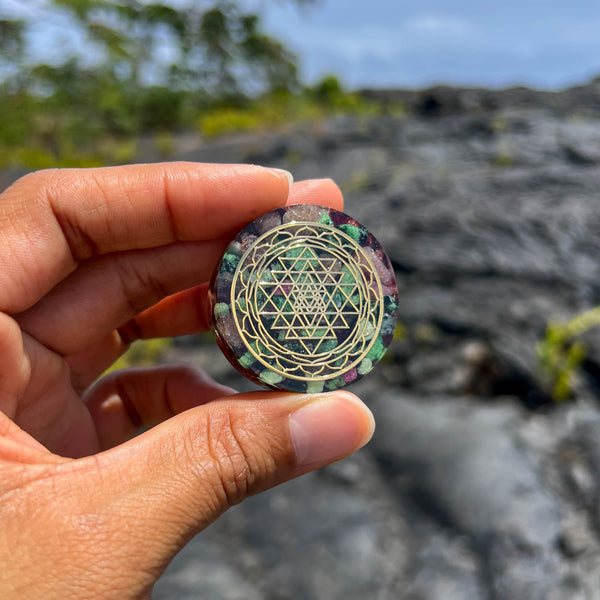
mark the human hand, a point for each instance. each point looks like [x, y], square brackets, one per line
[89, 261]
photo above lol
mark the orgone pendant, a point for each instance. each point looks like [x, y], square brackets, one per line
[304, 299]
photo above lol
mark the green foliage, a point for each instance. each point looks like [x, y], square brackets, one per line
[164, 143]
[281, 108]
[142, 353]
[400, 333]
[561, 353]
[228, 120]
[330, 94]
[86, 108]
[504, 159]
[222, 74]
[161, 108]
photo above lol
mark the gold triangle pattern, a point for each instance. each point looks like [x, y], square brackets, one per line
[302, 298]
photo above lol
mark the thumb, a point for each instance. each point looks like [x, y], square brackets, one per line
[175, 479]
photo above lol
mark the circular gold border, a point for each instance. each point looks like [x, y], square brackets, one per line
[379, 297]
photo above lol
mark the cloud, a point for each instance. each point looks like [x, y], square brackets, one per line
[438, 25]
[397, 42]
[390, 40]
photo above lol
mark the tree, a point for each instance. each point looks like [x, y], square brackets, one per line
[212, 45]
[141, 65]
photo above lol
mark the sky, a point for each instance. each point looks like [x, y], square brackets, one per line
[397, 43]
[547, 44]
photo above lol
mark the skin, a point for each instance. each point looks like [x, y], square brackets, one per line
[91, 260]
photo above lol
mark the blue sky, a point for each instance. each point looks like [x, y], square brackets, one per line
[400, 43]
[548, 44]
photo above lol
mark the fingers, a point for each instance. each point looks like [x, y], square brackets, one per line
[186, 312]
[17, 446]
[15, 368]
[125, 401]
[322, 192]
[179, 314]
[189, 469]
[103, 288]
[106, 292]
[49, 409]
[111, 522]
[51, 220]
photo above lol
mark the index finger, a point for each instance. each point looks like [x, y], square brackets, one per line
[51, 220]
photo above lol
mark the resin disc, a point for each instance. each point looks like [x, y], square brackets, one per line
[304, 299]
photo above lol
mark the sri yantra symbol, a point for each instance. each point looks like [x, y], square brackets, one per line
[307, 301]
[317, 299]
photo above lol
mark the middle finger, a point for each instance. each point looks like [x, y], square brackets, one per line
[105, 292]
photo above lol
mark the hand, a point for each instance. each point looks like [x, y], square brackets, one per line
[89, 261]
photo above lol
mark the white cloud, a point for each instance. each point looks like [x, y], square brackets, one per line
[394, 40]
[416, 43]
[438, 25]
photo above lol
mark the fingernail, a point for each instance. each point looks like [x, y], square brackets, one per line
[329, 428]
[289, 176]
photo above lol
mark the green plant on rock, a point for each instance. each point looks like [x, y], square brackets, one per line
[561, 353]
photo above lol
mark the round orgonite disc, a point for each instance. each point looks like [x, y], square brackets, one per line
[304, 299]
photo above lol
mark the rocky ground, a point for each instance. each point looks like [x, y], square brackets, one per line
[476, 485]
